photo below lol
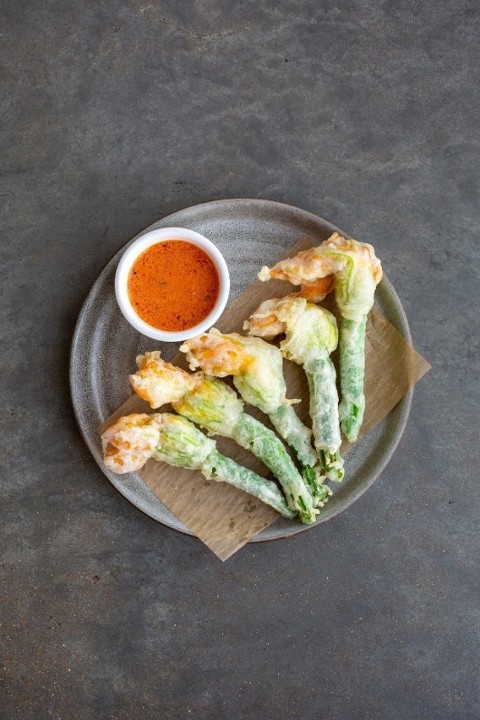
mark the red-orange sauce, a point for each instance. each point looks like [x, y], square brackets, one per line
[173, 285]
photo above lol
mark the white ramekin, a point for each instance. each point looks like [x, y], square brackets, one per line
[143, 243]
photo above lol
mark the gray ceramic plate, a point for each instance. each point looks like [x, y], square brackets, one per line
[249, 233]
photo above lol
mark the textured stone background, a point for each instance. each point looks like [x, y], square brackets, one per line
[116, 113]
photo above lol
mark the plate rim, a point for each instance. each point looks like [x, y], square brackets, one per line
[404, 405]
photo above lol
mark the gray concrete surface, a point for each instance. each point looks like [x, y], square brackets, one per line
[116, 113]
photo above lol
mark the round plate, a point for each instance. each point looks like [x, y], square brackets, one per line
[249, 233]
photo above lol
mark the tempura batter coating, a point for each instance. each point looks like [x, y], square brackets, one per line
[355, 269]
[129, 443]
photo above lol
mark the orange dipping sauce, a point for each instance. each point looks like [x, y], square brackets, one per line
[173, 285]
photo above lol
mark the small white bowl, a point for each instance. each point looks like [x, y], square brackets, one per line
[136, 248]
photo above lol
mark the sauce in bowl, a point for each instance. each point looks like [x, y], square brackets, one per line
[173, 285]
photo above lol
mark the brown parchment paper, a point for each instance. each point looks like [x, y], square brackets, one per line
[225, 518]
